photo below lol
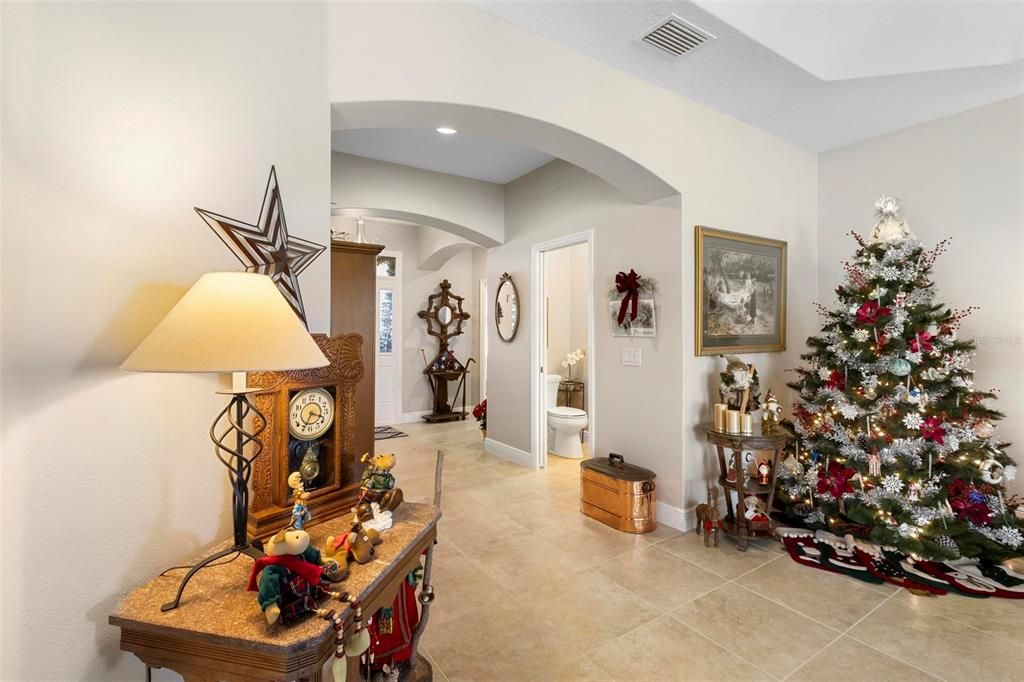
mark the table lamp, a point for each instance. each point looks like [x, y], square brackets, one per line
[233, 322]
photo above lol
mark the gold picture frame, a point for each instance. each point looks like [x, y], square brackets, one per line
[739, 293]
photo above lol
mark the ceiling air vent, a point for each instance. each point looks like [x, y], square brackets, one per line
[676, 36]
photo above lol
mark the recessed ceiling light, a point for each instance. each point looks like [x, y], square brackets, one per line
[444, 130]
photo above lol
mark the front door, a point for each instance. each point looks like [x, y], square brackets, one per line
[389, 341]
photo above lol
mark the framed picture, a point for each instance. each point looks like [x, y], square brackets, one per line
[740, 293]
[643, 326]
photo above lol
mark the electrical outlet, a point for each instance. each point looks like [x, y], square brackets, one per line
[631, 357]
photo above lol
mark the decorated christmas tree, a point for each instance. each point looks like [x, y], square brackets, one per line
[895, 445]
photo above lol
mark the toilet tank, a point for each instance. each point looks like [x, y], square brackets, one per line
[551, 390]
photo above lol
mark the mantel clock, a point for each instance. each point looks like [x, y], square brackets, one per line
[311, 430]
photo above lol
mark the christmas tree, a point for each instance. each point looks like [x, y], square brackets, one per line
[894, 445]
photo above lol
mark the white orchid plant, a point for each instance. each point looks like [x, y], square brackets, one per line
[572, 359]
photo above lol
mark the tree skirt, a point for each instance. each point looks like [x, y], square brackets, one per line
[873, 564]
[386, 432]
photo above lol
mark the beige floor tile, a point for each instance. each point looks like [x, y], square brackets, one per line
[1000, 617]
[943, 647]
[660, 577]
[460, 586]
[581, 670]
[589, 611]
[502, 642]
[666, 649]
[832, 599]
[847, 660]
[662, 532]
[725, 560]
[470, 477]
[476, 533]
[589, 541]
[526, 562]
[749, 625]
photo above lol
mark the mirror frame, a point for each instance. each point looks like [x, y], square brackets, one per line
[507, 279]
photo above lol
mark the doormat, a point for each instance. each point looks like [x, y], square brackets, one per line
[386, 432]
[873, 564]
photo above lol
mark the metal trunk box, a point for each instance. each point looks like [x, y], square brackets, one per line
[618, 494]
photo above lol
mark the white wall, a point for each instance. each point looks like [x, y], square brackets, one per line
[118, 119]
[962, 177]
[636, 408]
[730, 175]
[472, 209]
[567, 286]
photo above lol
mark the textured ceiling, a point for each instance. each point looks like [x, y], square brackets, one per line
[819, 74]
[469, 156]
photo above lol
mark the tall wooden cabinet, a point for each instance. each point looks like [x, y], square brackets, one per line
[354, 310]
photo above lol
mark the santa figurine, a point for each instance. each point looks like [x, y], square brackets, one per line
[764, 471]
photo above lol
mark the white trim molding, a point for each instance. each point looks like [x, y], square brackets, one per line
[675, 517]
[514, 455]
[411, 417]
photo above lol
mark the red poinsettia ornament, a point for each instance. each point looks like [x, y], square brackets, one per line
[836, 480]
[870, 311]
[968, 503]
[836, 381]
[922, 342]
[932, 430]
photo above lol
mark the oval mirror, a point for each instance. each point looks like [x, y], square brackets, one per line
[506, 308]
[444, 315]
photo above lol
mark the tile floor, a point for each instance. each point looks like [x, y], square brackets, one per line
[529, 589]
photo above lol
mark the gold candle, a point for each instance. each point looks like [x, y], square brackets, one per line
[732, 421]
[720, 409]
[746, 423]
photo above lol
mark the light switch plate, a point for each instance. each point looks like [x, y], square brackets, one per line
[631, 357]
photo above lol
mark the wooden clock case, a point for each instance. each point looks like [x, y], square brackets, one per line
[271, 502]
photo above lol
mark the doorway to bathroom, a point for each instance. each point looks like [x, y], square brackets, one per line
[562, 348]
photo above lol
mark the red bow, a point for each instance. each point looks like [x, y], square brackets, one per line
[306, 570]
[836, 480]
[932, 429]
[628, 284]
[869, 311]
[922, 341]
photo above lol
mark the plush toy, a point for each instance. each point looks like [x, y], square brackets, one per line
[378, 483]
[289, 578]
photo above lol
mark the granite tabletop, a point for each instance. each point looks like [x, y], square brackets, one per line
[216, 608]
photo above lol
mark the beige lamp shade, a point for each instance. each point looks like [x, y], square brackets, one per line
[228, 322]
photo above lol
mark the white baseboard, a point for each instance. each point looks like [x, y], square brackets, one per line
[676, 517]
[514, 455]
[410, 417]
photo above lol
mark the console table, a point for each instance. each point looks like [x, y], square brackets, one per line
[735, 524]
[219, 632]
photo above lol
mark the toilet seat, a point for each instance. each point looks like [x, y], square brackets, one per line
[566, 412]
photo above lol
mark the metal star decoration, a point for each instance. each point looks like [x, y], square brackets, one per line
[266, 248]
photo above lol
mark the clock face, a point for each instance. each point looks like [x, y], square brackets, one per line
[310, 413]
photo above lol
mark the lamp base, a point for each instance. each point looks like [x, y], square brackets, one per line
[248, 550]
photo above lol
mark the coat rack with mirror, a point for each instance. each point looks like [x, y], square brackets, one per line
[444, 316]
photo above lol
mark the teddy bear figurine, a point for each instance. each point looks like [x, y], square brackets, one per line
[378, 483]
[289, 579]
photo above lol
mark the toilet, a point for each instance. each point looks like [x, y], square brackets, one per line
[564, 423]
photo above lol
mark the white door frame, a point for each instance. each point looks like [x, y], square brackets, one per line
[397, 322]
[538, 332]
[484, 316]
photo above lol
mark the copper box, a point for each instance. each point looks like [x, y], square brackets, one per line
[618, 494]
